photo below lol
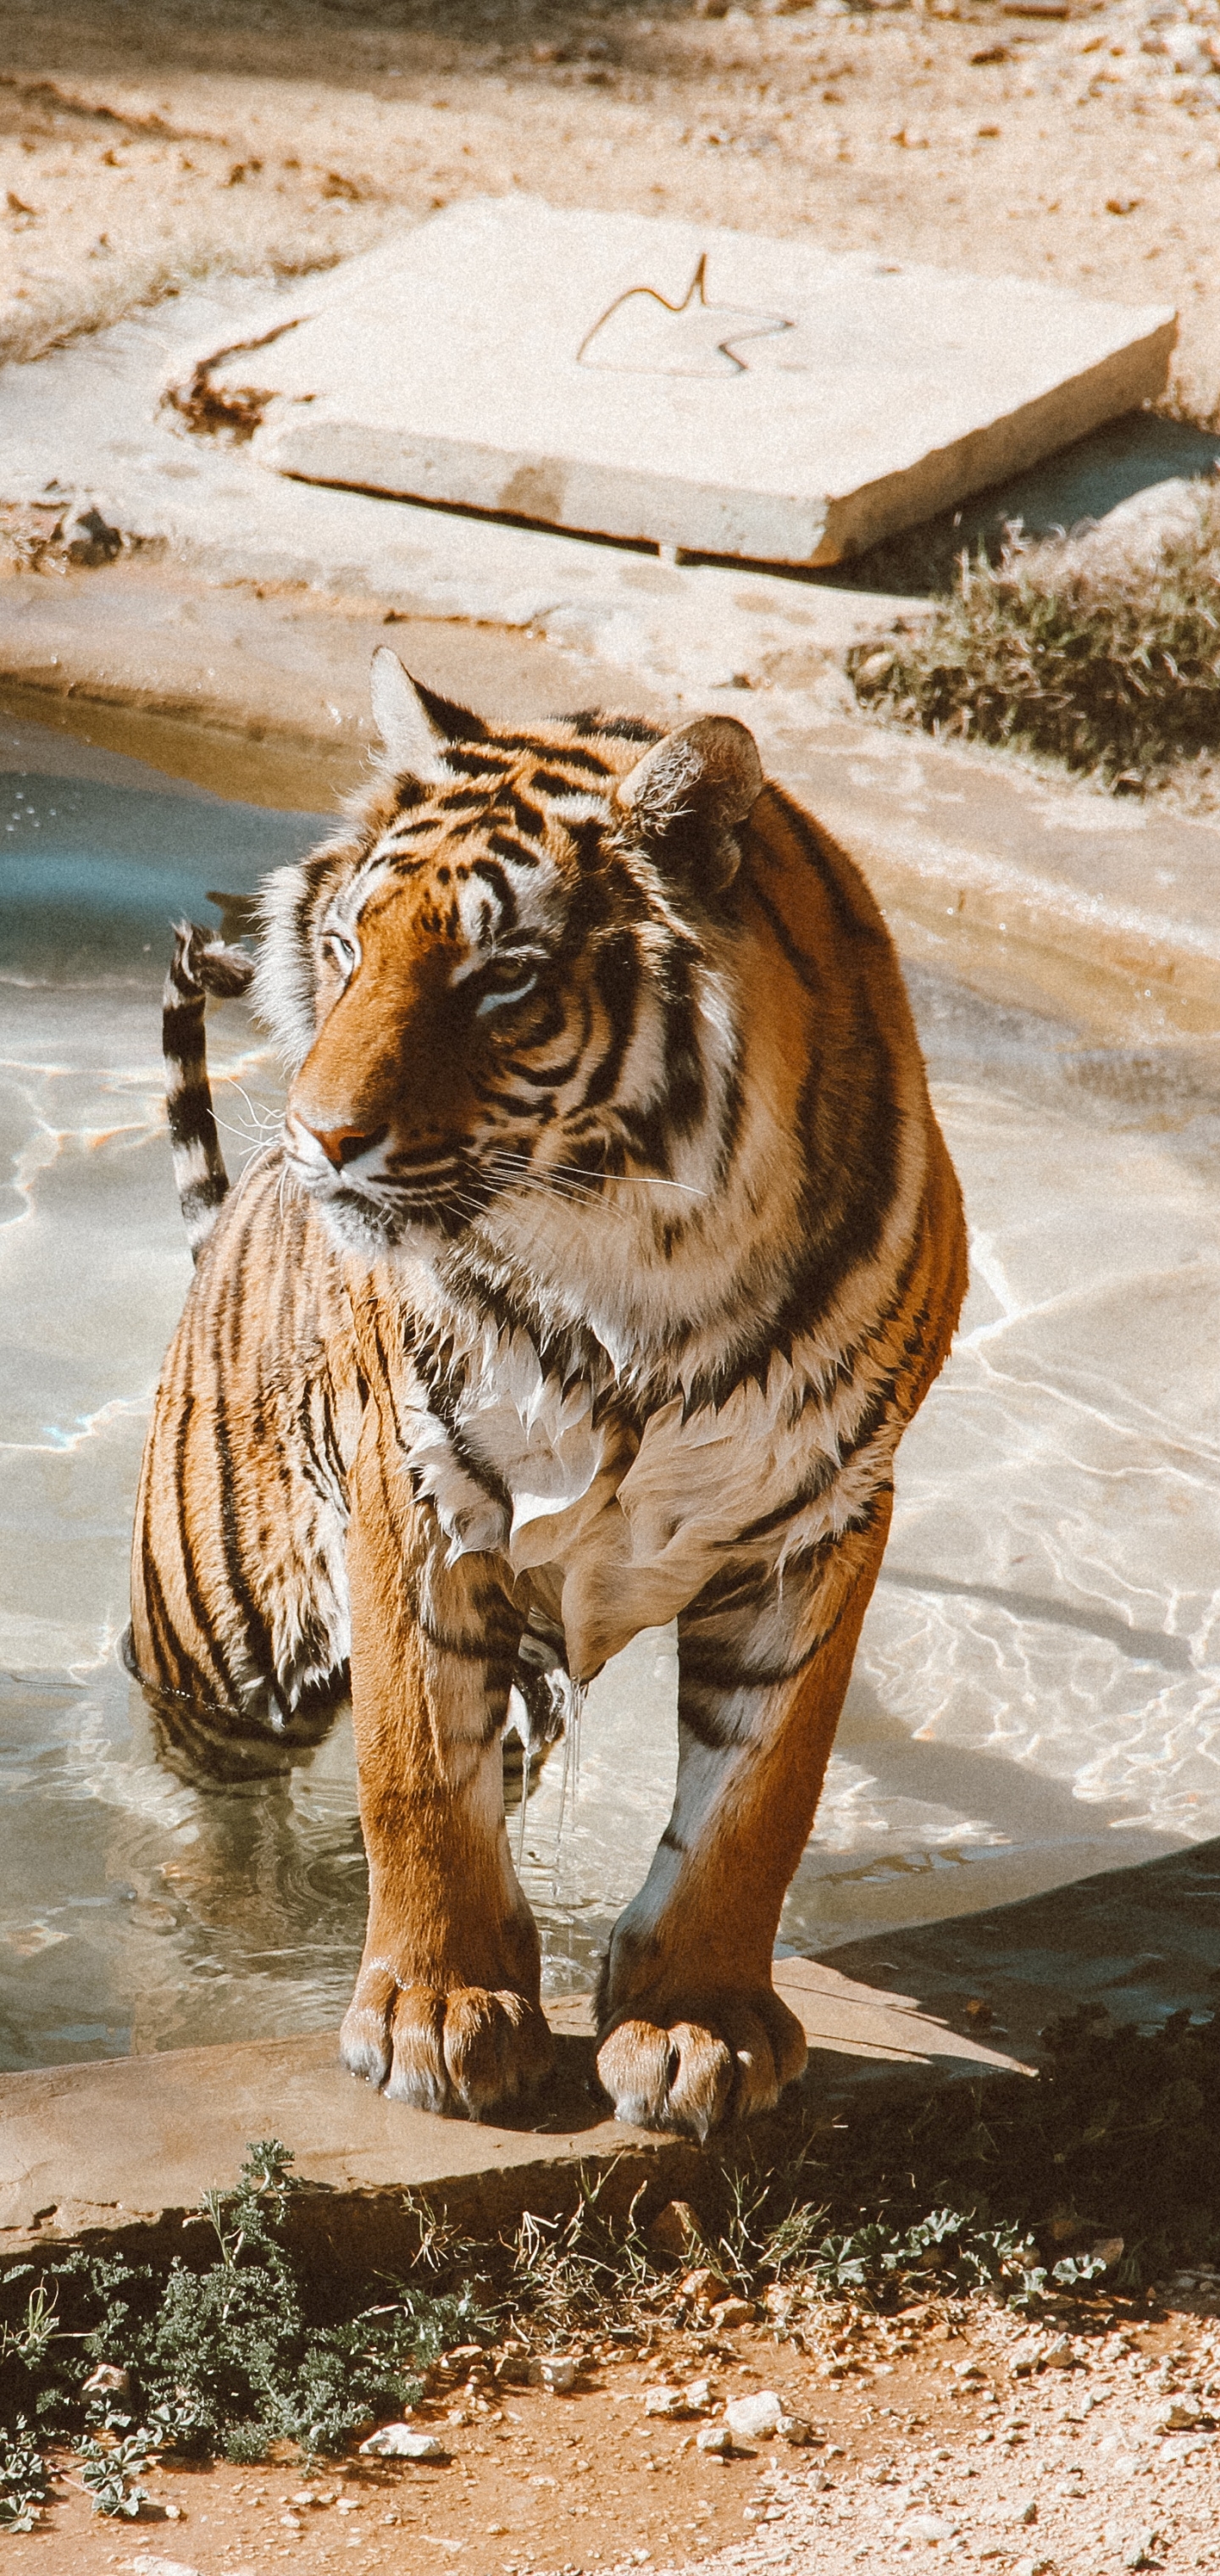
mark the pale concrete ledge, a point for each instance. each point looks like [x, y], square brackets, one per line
[118, 2153]
[1028, 887]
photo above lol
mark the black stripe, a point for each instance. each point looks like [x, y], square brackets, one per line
[616, 728]
[492, 875]
[616, 975]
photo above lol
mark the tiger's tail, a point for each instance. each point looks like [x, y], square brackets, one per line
[200, 965]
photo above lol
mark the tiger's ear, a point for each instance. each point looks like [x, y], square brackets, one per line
[689, 792]
[412, 742]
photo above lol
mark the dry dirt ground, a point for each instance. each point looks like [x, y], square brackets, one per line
[141, 144]
[942, 2434]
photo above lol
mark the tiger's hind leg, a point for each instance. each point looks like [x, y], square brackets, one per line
[446, 2013]
[691, 2030]
[239, 1616]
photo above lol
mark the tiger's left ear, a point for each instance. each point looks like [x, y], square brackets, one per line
[690, 791]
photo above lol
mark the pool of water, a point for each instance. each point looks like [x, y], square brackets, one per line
[1037, 1693]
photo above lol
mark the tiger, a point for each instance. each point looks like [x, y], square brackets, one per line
[609, 1246]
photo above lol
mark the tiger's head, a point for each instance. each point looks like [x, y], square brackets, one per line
[510, 980]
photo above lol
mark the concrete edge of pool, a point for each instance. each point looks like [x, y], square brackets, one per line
[118, 2152]
[1021, 881]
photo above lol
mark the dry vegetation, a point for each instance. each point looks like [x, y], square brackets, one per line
[1089, 655]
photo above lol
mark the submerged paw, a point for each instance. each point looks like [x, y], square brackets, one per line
[457, 2050]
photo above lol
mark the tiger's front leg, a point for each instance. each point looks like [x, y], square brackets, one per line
[446, 2012]
[692, 2032]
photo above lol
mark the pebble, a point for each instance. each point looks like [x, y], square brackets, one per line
[1182, 2415]
[676, 2229]
[150, 2565]
[703, 2288]
[715, 2439]
[929, 2526]
[751, 2418]
[108, 2381]
[401, 2442]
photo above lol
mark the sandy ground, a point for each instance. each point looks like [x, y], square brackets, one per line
[140, 145]
[940, 2434]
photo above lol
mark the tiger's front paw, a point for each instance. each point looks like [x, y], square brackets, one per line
[720, 2060]
[462, 2050]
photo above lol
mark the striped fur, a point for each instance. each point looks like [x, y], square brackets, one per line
[611, 1246]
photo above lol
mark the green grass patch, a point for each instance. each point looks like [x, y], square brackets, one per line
[1004, 2189]
[1105, 662]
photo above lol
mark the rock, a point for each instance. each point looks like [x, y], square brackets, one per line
[1143, 2550]
[929, 2526]
[715, 2439]
[728, 2313]
[1182, 2415]
[751, 2419]
[676, 2230]
[555, 2370]
[91, 541]
[703, 2288]
[665, 2401]
[108, 2381]
[402, 2442]
[154, 2566]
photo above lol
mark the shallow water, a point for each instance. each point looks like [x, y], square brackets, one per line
[1037, 1693]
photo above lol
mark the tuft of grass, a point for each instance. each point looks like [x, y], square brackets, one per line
[1104, 658]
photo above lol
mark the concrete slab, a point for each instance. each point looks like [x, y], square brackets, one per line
[120, 2152]
[1130, 469]
[705, 389]
[123, 2149]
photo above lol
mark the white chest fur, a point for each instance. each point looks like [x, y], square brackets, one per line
[619, 1532]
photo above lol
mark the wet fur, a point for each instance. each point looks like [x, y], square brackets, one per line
[611, 1246]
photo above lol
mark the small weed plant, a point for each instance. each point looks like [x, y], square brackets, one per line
[1105, 660]
[1026, 2192]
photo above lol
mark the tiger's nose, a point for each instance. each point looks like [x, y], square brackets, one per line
[342, 1144]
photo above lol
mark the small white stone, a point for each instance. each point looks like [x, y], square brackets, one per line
[716, 2439]
[108, 2381]
[752, 2418]
[398, 2442]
